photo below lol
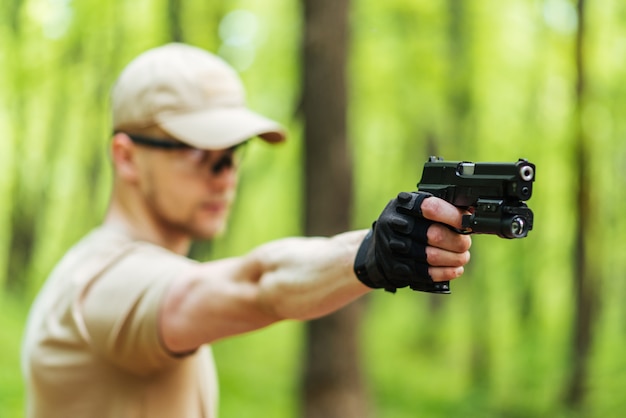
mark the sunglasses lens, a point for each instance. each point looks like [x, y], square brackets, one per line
[225, 162]
[205, 159]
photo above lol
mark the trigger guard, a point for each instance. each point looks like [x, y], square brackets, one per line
[467, 231]
[466, 221]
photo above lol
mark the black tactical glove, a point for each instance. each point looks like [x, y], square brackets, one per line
[393, 254]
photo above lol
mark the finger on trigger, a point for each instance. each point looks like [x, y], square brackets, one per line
[438, 210]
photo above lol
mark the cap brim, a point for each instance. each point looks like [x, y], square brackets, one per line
[221, 128]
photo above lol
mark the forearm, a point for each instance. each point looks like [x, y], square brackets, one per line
[304, 278]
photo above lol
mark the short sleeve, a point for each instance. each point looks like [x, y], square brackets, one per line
[121, 308]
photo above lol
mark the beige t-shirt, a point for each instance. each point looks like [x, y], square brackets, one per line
[92, 346]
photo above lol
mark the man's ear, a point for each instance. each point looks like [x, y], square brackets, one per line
[124, 158]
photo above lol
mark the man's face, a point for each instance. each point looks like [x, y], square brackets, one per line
[188, 191]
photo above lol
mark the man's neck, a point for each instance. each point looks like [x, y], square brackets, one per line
[141, 227]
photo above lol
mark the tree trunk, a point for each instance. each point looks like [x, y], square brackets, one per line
[332, 382]
[174, 20]
[584, 284]
[22, 229]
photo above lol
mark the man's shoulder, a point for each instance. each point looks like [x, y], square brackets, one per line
[112, 247]
[103, 241]
[103, 249]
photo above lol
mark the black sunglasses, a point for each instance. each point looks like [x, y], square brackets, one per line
[157, 143]
[227, 161]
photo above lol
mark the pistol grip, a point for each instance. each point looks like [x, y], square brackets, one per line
[432, 287]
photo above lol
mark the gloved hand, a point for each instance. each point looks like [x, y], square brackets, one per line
[393, 254]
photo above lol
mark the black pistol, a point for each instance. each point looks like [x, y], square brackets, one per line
[493, 193]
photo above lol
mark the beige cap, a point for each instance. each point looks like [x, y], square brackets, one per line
[191, 94]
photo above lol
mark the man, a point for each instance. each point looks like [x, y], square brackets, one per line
[123, 325]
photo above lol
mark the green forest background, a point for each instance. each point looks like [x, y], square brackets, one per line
[536, 326]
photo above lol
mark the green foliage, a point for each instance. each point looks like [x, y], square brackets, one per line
[481, 80]
[12, 318]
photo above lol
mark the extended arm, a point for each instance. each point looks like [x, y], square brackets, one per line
[293, 278]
